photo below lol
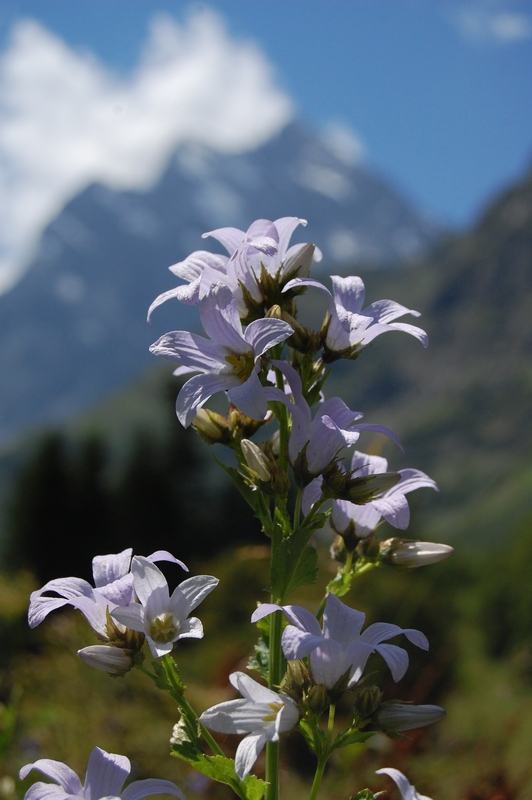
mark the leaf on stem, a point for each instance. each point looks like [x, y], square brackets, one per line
[294, 564]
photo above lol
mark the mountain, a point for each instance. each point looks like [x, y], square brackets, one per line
[462, 407]
[74, 327]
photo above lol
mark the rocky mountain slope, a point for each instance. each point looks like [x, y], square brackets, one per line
[74, 328]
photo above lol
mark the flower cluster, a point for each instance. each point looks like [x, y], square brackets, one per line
[293, 457]
[130, 597]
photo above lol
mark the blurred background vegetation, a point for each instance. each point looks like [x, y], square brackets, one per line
[125, 474]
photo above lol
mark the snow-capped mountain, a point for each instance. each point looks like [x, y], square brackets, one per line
[74, 328]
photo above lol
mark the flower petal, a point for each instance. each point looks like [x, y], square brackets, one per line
[197, 588]
[340, 622]
[165, 555]
[150, 786]
[197, 391]
[221, 320]
[247, 753]
[235, 716]
[148, 579]
[57, 771]
[263, 334]
[249, 397]
[396, 659]
[111, 567]
[252, 690]
[106, 774]
[230, 238]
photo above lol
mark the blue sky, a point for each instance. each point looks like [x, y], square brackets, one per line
[437, 93]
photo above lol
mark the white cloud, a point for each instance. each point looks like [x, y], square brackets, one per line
[66, 120]
[344, 143]
[485, 23]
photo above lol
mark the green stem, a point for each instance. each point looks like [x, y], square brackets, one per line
[274, 680]
[177, 692]
[324, 756]
[297, 509]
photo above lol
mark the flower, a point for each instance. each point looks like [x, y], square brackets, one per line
[262, 714]
[408, 792]
[361, 520]
[340, 648]
[264, 246]
[113, 587]
[162, 617]
[350, 329]
[229, 361]
[315, 442]
[105, 777]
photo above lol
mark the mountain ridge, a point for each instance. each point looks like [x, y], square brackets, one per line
[74, 327]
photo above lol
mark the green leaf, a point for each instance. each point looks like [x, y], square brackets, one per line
[366, 794]
[351, 736]
[313, 735]
[251, 496]
[260, 660]
[221, 769]
[294, 564]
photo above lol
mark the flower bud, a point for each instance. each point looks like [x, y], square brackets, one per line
[255, 459]
[212, 427]
[299, 264]
[405, 716]
[367, 702]
[411, 554]
[318, 699]
[114, 660]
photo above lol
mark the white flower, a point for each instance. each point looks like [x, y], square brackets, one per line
[408, 792]
[162, 617]
[261, 714]
[105, 778]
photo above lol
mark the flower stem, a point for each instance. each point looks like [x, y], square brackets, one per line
[324, 756]
[274, 680]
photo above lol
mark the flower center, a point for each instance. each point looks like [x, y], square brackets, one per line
[164, 628]
[275, 707]
[242, 364]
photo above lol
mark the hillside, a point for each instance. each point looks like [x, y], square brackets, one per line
[463, 407]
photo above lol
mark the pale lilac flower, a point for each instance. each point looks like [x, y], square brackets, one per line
[105, 778]
[261, 714]
[229, 361]
[408, 792]
[352, 328]
[392, 505]
[161, 616]
[113, 587]
[318, 440]
[263, 246]
[200, 269]
[340, 648]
